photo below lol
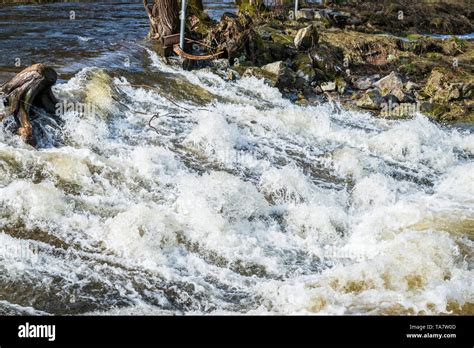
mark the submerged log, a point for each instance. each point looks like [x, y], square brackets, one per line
[28, 90]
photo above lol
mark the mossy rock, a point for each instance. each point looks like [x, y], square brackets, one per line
[422, 45]
[264, 55]
[413, 37]
[438, 110]
[454, 46]
[341, 84]
[269, 78]
[323, 21]
[306, 73]
[360, 48]
[276, 32]
[446, 113]
[195, 7]
[240, 69]
[276, 51]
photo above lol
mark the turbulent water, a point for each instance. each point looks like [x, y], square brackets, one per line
[234, 201]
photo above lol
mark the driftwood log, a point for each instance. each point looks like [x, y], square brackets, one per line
[28, 91]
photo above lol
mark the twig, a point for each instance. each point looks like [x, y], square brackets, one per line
[151, 120]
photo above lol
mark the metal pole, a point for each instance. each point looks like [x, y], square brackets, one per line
[183, 24]
[296, 8]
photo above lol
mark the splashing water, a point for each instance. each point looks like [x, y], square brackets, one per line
[243, 203]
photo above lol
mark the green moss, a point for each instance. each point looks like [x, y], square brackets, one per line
[276, 50]
[195, 8]
[413, 37]
[455, 46]
[433, 55]
[437, 110]
[341, 84]
[322, 75]
[259, 73]
[408, 68]
[240, 69]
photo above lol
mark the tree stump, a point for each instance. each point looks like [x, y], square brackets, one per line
[27, 91]
[251, 6]
[163, 16]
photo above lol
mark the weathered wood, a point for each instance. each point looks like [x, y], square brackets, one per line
[29, 89]
[232, 37]
[163, 16]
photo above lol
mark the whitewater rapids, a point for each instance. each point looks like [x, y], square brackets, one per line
[239, 201]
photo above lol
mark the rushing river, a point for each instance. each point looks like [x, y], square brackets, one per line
[236, 201]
